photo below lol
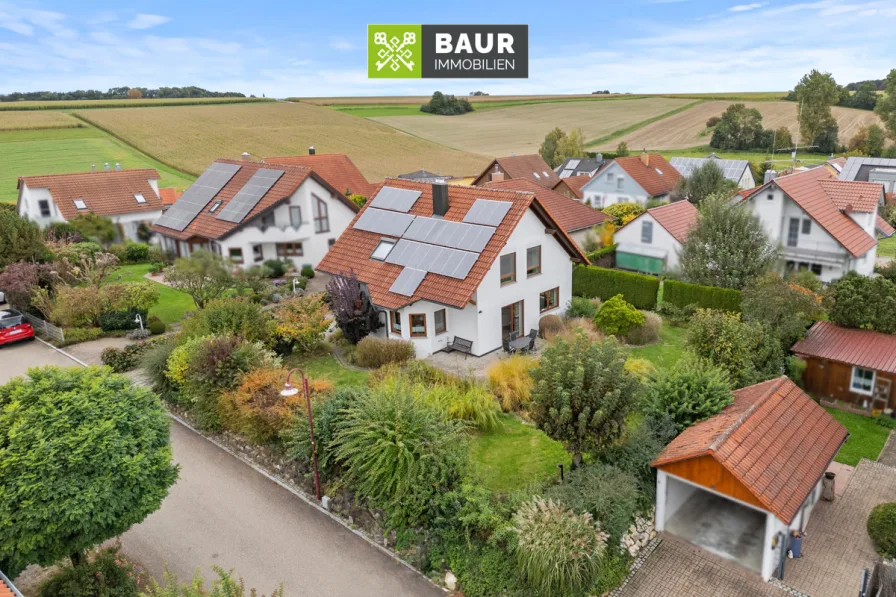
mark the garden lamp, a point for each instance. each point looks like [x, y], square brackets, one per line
[290, 390]
[139, 320]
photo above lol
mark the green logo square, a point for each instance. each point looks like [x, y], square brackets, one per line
[394, 51]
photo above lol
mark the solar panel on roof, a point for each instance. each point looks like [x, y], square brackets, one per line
[732, 169]
[572, 164]
[248, 197]
[457, 235]
[383, 222]
[430, 258]
[487, 212]
[395, 199]
[407, 281]
[197, 196]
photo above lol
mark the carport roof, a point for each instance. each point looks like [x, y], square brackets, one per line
[773, 438]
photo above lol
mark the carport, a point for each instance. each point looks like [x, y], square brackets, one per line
[737, 484]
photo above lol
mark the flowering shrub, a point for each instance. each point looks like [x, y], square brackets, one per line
[256, 409]
[301, 322]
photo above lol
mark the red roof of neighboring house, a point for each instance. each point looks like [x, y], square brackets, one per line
[744, 193]
[336, 168]
[351, 253]
[169, 195]
[854, 194]
[774, 439]
[207, 225]
[677, 218]
[883, 227]
[657, 177]
[105, 193]
[531, 167]
[864, 348]
[6, 588]
[575, 184]
[571, 214]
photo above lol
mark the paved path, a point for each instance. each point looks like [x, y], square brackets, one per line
[15, 359]
[888, 454]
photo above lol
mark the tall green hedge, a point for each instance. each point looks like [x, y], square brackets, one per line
[638, 289]
[682, 294]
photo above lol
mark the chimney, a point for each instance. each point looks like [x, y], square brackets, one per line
[93, 167]
[599, 157]
[245, 156]
[769, 176]
[439, 199]
[311, 150]
[118, 166]
[106, 166]
[645, 158]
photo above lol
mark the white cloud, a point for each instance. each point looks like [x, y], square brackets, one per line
[145, 21]
[745, 7]
[15, 25]
[341, 44]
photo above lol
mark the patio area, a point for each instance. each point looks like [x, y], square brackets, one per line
[464, 365]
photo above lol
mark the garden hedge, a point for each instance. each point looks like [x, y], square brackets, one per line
[605, 257]
[637, 289]
[682, 294]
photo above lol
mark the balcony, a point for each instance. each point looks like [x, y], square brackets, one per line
[812, 252]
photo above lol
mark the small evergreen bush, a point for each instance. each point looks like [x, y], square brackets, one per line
[307, 271]
[579, 306]
[882, 528]
[617, 317]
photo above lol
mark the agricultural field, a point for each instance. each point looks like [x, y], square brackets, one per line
[64, 150]
[422, 99]
[28, 121]
[190, 138]
[521, 129]
[125, 103]
[685, 128]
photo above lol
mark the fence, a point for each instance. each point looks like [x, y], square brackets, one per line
[46, 329]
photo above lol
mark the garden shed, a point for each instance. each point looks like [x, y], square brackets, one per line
[738, 483]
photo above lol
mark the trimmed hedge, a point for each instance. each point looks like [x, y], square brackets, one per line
[111, 321]
[682, 294]
[605, 257]
[637, 289]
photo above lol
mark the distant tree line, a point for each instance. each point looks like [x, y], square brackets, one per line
[879, 84]
[862, 95]
[117, 93]
[446, 105]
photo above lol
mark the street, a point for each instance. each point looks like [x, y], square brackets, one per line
[222, 512]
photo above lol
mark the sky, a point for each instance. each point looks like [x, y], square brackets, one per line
[311, 48]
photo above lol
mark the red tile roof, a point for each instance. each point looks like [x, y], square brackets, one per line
[647, 175]
[6, 587]
[106, 193]
[774, 439]
[883, 227]
[744, 193]
[677, 218]
[853, 194]
[571, 214]
[810, 190]
[864, 348]
[169, 195]
[575, 184]
[531, 167]
[207, 225]
[351, 253]
[336, 168]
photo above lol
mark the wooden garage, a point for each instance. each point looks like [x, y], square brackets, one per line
[851, 365]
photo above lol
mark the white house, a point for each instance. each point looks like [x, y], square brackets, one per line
[632, 179]
[250, 212]
[445, 261]
[822, 224]
[127, 197]
[882, 170]
[652, 242]
[739, 483]
[738, 171]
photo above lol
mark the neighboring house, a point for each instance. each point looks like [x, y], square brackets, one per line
[7, 589]
[249, 212]
[531, 167]
[575, 218]
[448, 261]
[127, 197]
[652, 242]
[882, 170]
[738, 171]
[335, 168]
[578, 166]
[169, 196]
[737, 484]
[633, 179]
[822, 224]
[572, 187]
[852, 365]
[425, 176]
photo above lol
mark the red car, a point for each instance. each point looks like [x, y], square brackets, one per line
[13, 327]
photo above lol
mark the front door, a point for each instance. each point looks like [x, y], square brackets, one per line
[511, 320]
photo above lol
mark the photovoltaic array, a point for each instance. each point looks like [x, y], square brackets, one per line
[456, 235]
[430, 258]
[384, 222]
[197, 196]
[249, 196]
[395, 199]
[407, 281]
[488, 213]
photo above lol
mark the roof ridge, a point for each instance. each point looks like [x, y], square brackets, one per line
[469, 186]
[727, 433]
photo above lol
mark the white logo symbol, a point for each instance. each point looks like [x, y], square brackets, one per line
[394, 52]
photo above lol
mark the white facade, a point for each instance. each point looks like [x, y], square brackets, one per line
[635, 235]
[38, 205]
[293, 231]
[481, 319]
[812, 247]
[613, 185]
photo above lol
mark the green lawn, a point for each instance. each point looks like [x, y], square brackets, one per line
[60, 151]
[665, 353]
[866, 438]
[886, 247]
[781, 160]
[172, 303]
[325, 366]
[515, 455]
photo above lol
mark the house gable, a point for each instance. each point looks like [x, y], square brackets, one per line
[600, 185]
[706, 471]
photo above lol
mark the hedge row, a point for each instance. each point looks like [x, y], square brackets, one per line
[605, 257]
[682, 294]
[638, 289]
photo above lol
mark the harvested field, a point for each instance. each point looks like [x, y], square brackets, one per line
[31, 121]
[421, 99]
[683, 129]
[190, 138]
[126, 103]
[521, 129]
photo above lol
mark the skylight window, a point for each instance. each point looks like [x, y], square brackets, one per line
[79, 203]
[535, 174]
[658, 171]
[215, 207]
[546, 175]
[382, 250]
[139, 198]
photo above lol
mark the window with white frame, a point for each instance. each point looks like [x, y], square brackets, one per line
[647, 232]
[44, 207]
[139, 198]
[862, 380]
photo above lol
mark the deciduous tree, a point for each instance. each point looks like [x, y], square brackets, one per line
[739, 128]
[548, 149]
[20, 240]
[202, 275]
[352, 308]
[816, 93]
[886, 105]
[704, 181]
